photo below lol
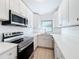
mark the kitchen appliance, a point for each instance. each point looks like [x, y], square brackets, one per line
[25, 44]
[15, 19]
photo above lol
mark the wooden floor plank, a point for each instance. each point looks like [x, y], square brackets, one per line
[42, 53]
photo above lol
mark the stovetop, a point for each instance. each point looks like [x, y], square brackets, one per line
[17, 38]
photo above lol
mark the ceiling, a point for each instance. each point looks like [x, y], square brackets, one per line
[42, 6]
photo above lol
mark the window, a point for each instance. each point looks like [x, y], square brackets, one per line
[47, 25]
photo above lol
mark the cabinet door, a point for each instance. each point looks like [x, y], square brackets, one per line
[15, 5]
[22, 8]
[4, 10]
[11, 54]
[73, 12]
[64, 13]
[4, 56]
[35, 42]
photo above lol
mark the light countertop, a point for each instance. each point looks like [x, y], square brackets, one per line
[68, 46]
[4, 47]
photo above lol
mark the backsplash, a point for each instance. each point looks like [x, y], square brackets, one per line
[57, 30]
[6, 28]
[27, 31]
[71, 33]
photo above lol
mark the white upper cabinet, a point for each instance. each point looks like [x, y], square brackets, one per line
[64, 13]
[23, 9]
[15, 6]
[73, 12]
[69, 12]
[19, 7]
[4, 10]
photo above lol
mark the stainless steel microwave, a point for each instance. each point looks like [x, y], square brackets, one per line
[15, 19]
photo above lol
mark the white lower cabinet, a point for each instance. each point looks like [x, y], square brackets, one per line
[35, 42]
[58, 53]
[11, 54]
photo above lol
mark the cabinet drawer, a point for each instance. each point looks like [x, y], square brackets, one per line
[13, 51]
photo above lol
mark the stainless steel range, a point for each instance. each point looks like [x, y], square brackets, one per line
[23, 42]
